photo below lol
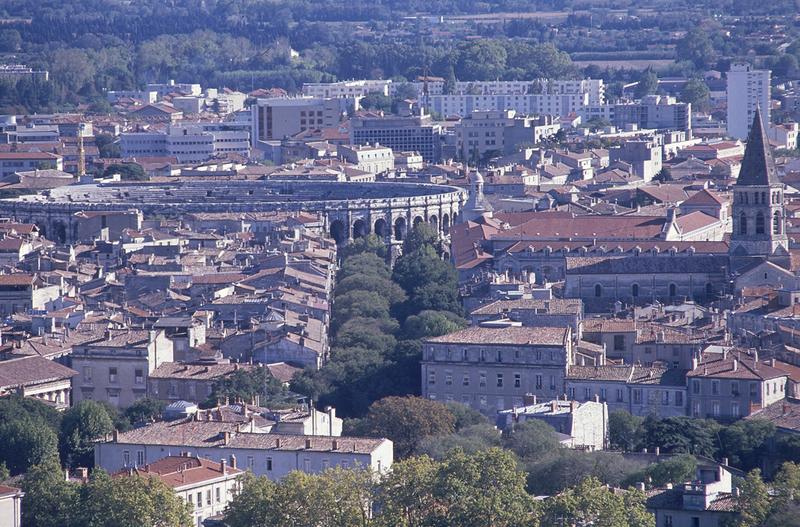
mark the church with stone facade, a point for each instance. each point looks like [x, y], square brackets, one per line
[636, 259]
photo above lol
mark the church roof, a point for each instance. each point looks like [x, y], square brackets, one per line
[758, 166]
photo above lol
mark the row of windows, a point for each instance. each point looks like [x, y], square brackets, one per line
[499, 380]
[113, 376]
[487, 356]
[635, 290]
[777, 227]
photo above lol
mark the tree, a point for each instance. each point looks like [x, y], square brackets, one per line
[82, 425]
[407, 493]
[430, 282]
[753, 503]
[49, 500]
[696, 47]
[370, 243]
[482, 59]
[469, 439]
[26, 441]
[432, 324]
[359, 303]
[127, 171]
[423, 234]
[376, 101]
[682, 434]
[245, 385]
[484, 488]
[696, 92]
[10, 40]
[131, 501]
[407, 420]
[591, 503]
[531, 438]
[144, 410]
[389, 290]
[744, 441]
[648, 83]
[624, 430]
[107, 145]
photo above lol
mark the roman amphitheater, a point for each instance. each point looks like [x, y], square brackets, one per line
[349, 210]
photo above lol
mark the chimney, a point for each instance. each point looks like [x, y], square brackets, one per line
[335, 445]
[233, 461]
[223, 466]
[277, 442]
[772, 362]
[226, 437]
[115, 435]
[658, 451]
[737, 492]
[596, 398]
[66, 474]
[308, 444]
[784, 409]
[735, 365]
[725, 461]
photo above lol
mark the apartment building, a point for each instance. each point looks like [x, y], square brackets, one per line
[491, 368]
[11, 162]
[188, 143]
[400, 133]
[653, 112]
[645, 156]
[375, 159]
[353, 88]
[501, 132]
[115, 366]
[748, 89]
[281, 117]
[21, 292]
[265, 454]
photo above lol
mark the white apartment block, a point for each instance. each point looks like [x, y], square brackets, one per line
[748, 88]
[595, 88]
[146, 96]
[526, 104]
[188, 143]
[353, 88]
[375, 159]
[282, 117]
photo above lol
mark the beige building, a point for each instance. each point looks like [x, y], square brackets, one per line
[207, 486]
[709, 500]
[375, 159]
[491, 369]
[10, 506]
[115, 367]
[35, 376]
[281, 117]
[20, 292]
[265, 454]
[585, 424]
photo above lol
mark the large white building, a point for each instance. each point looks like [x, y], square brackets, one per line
[282, 117]
[463, 104]
[354, 88]
[748, 88]
[194, 143]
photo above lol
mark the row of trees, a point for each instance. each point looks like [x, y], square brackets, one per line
[379, 317]
[485, 488]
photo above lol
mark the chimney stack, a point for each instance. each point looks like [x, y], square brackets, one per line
[308, 444]
[223, 466]
[233, 461]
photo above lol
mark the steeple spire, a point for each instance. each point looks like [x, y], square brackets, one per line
[758, 165]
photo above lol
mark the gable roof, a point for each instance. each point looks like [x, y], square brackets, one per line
[758, 165]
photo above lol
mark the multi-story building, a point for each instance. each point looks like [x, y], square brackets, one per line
[354, 88]
[21, 292]
[115, 367]
[400, 133]
[585, 423]
[20, 71]
[491, 369]
[38, 377]
[281, 117]
[500, 132]
[188, 143]
[207, 486]
[731, 385]
[11, 162]
[172, 87]
[375, 159]
[265, 454]
[653, 112]
[639, 390]
[462, 104]
[11, 506]
[534, 312]
[748, 89]
[594, 88]
[644, 155]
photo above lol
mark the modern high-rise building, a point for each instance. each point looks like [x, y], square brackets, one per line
[748, 88]
[281, 117]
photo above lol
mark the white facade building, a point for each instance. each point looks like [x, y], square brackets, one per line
[354, 88]
[747, 88]
[188, 143]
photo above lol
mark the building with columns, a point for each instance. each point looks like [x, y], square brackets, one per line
[34, 376]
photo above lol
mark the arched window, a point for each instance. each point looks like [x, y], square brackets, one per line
[776, 223]
[742, 223]
[598, 290]
[673, 290]
[760, 223]
[635, 290]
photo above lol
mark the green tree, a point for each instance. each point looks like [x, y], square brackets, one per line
[82, 425]
[144, 410]
[469, 439]
[696, 48]
[432, 324]
[376, 101]
[744, 442]
[481, 60]
[531, 438]
[624, 430]
[26, 441]
[430, 282]
[131, 501]
[49, 500]
[753, 503]
[389, 290]
[408, 420]
[370, 243]
[648, 83]
[245, 385]
[107, 145]
[682, 434]
[591, 503]
[696, 92]
[127, 171]
[10, 40]
[407, 493]
[359, 303]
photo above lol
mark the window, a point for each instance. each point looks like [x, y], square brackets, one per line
[517, 380]
[482, 381]
[637, 396]
[665, 398]
[776, 223]
[754, 390]
[448, 379]
[306, 465]
[251, 463]
[734, 409]
[602, 394]
[140, 458]
[173, 389]
[743, 222]
[126, 458]
[715, 408]
[696, 409]
[619, 342]
[499, 380]
[696, 386]
[139, 377]
[668, 520]
[760, 223]
[735, 388]
[112, 375]
[326, 464]
[538, 381]
[635, 290]
[218, 495]
[598, 290]
[587, 393]
[208, 497]
[269, 464]
[87, 373]
[465, 382]
[620, 395]
[431, 377]
[714, 387]
[199, 499]
[678, 398]
[673, 290]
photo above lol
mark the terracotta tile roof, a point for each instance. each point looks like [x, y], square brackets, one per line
[625, 265]
[603, 325]
[553, 306]
[217, 278]
[534, 336]
[704, 198]
[5, 491]
[695, 221]
[32, 370]
[784, 414]
[204, 372]
[16, 279]
[182, 471]
[735, 365]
